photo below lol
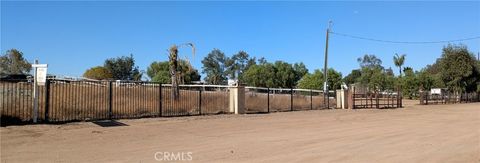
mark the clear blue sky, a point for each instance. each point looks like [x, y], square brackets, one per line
[73, 36]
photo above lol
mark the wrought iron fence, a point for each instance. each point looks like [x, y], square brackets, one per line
[66, 101]
[266, 100]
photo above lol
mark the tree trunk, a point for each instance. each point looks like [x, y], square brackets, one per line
[173, 72]
[400, 70]
[175, 90]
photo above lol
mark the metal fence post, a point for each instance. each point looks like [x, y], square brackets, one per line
[352, 94]
[160, 100]
[200, 101]
[110, 99]
[311, 99]
[268, 100]
[47, 99]
[426, 98]
[291, 99]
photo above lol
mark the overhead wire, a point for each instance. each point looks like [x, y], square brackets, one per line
[404, 42]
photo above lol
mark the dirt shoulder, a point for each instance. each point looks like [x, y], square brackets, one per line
[434, 133]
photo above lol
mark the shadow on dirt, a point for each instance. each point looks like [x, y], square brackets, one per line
[109, 123]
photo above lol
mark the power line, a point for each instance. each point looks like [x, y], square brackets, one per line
[404, 42]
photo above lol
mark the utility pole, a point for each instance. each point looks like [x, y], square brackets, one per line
[326, 100]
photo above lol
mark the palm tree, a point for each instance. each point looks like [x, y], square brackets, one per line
[398, 60]
[173, 64]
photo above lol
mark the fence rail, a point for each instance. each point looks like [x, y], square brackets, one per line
[376, 101]
[265, 100]
[426, 98]
[65, 101]
[362, 98]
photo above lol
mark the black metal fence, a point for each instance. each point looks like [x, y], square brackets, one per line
[66, 101]
[266, 100]
[426, 98]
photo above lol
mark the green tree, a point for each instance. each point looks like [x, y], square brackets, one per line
[122, 68]
[156, 68]
[373, 78]
[252, 76]
[214, 67]
[459, 69]
[12, 62]
[159, 72]
[334, 79]
[274, 75]
[389, 71]
[98, 73]
[300, 70]
[261, 75]
[163, 77]
[353, 77]
[410, 84]
[372, 73]
[285, 74]
[426, 81]
[370, 61]
[237, 64]
[312, 80]
[316, 80]
[398, 60]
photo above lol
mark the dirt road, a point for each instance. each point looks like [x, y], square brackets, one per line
[441, 133]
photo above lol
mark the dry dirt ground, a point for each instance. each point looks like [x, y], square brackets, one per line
[434, 133]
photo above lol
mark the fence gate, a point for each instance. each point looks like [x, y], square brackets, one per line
[365, 99]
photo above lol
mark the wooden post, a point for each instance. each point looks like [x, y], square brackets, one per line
[351, 100]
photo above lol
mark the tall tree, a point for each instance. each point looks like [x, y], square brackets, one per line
[425, 80]
[389, 71]
[353, 77]
[159, 72]
[370, 61]
[12, 62]
[122, 68]
[334, 79]
[410, 83]
[214, 67]
[237, 64]
[312, 80]
[285, 75]
[458, 68]
[274, 75]
[373, 78]
[261, 75]
[173, 66]
[300, 70]
[315, 80]
[398, 60]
